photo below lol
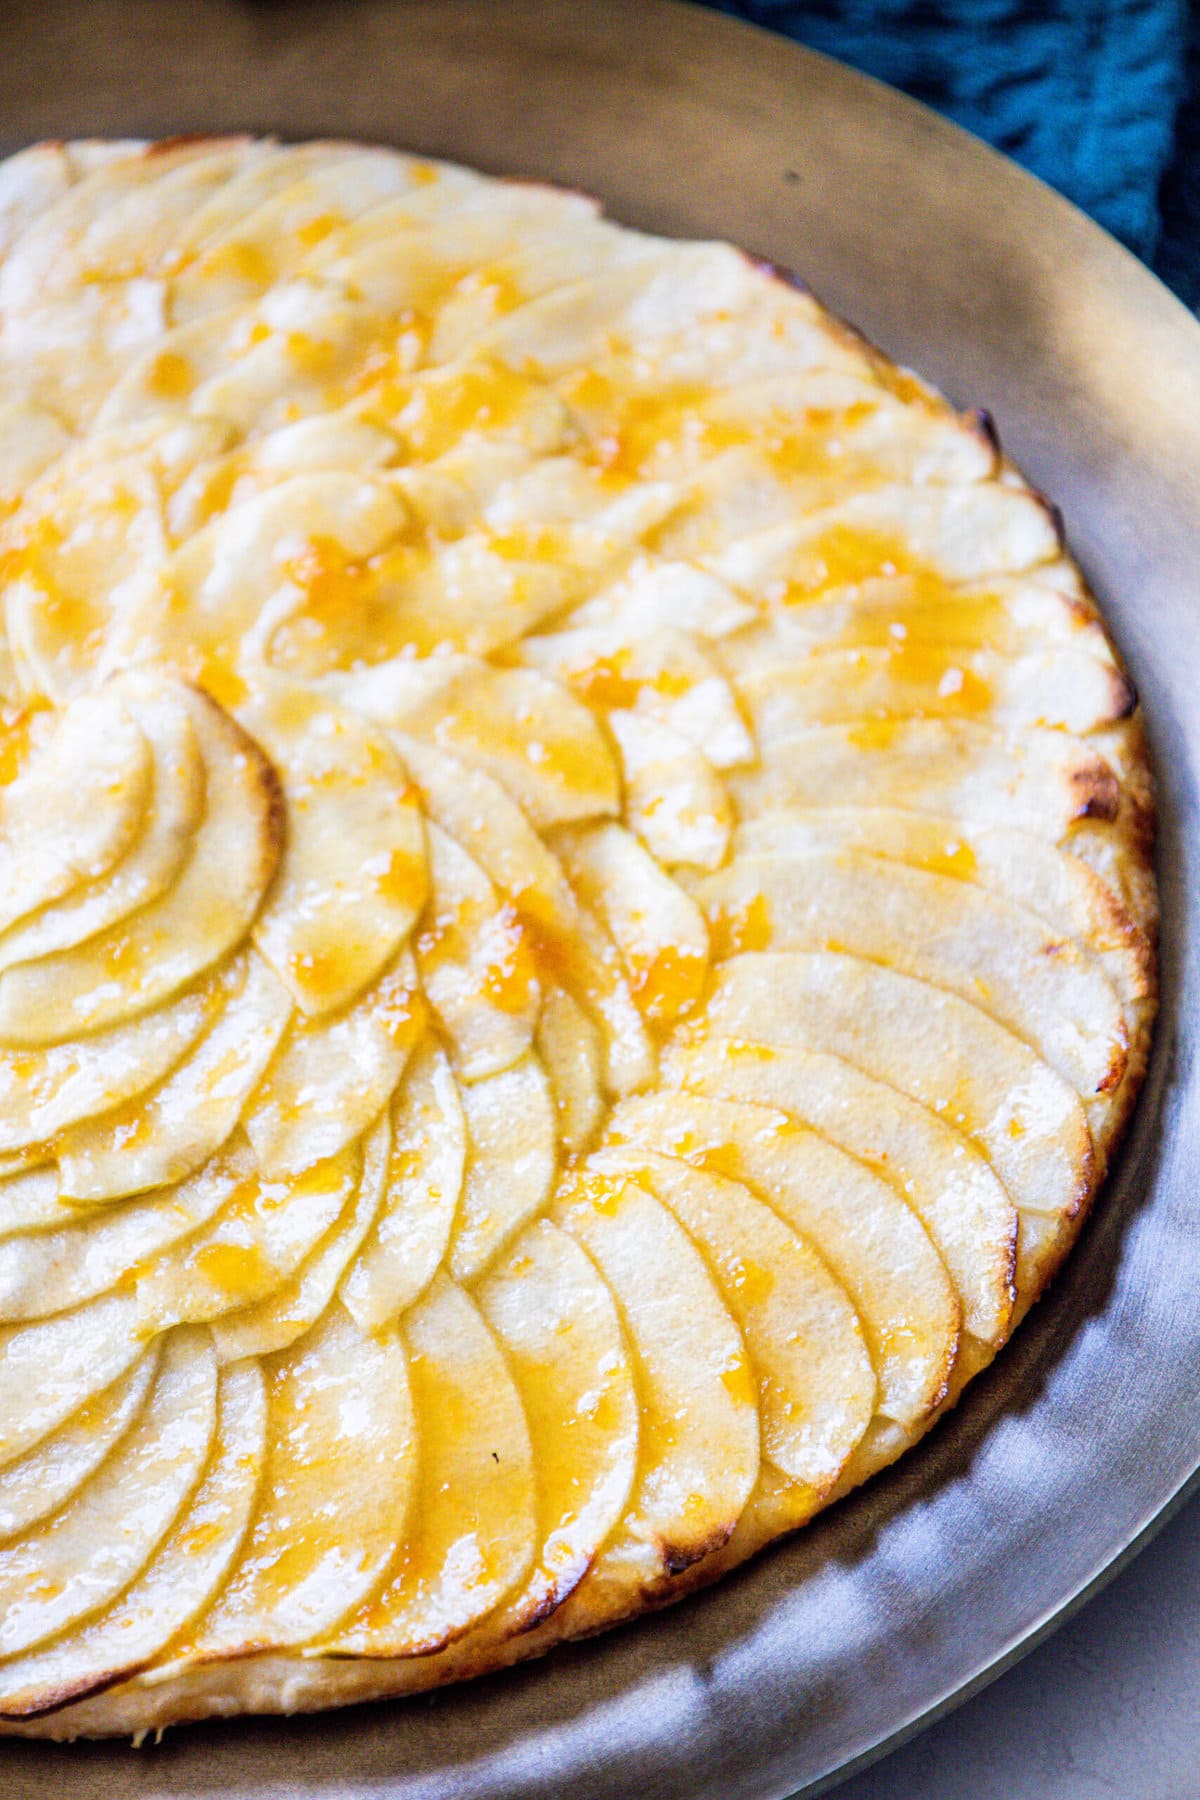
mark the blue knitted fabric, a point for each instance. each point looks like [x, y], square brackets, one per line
[1101, 98]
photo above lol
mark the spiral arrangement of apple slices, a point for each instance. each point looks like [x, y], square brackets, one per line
[575, 920]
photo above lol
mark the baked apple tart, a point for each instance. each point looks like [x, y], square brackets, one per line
[576, 920]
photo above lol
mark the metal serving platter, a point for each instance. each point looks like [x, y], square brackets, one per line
[1087, 1430]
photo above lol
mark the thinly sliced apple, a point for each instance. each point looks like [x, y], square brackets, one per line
[85, 552]
[246, 251]
[31, 439]
[945, 1179]
[674, 799]
[138, 964]
[699, 1431]
[280, 166]
[352, 879]
[930, 1045]
[56, 1574]
[49, 1370]
[642, 293]
[975, 944]
[539, 742]
[31, 182]
[300, 1301]
[664, 674]
[572, 1053]
[164, 1135]
[181, 1578]
[797, 1321]
[657, 594]
[256, 1242]
[422, 1185]
[332, 1076]
[958, 533]
[341, 1461]
[512, 1156]
[658, 929]
[111, 221]
[74, 808]
[474, 1523]
[1059, 689]
[561, 1332]
[30, 1197]
[479, 594]
[148, 868]
[1043, 782]
[473, 808]
[588, 964]
[475, 964]
[46, 1271]
[870, 1237]
[45, 1091]
[46, 1477]
[249, 561]
[1049, 882]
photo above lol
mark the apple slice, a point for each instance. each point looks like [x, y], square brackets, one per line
[422, 1185]
[300, 1301]
[248, 250]
[958, 937]
[178, 1582]
[674, 800]
[930, 1045]
[352, 879]
[512, 1156]
[664, 674]
[30, 1198]
[1042, 782]
[31, 182]
[51, 1369]
[123, 210]
[659, 931]
[1065, 691]
[87, 549]
[946, 1181]
[559, 1328]
[797, 1321]
[74, 807]
[163, 1136]
[473, 1530]
[31, 440]
[55, 1574]
[332, 1076]
[45, 1091]
[216, 222]
[234, 575]
[655, 593]
[341, 1457]
[873, 1242]
[257, 1240]
[479, 594]
[153, 861]
[539, 742]
[571, 1051]
[699, 1428]
[134, 966]
[46, 1271]
[471, 807]
[43, 1480]
[475, 964]
[958, 533]
[1052, 883]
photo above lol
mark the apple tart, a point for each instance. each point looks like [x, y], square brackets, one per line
[576, 920]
